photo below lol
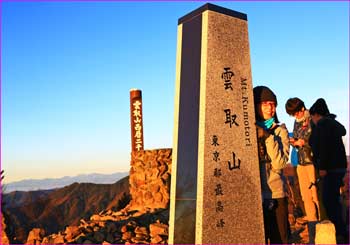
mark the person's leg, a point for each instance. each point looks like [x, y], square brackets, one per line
[281, 214]
[311, 225]
[331, 200]
[320, 191]
[299, 209]
[267, 221]
[306, 193]
[314, 214]
[311, 173]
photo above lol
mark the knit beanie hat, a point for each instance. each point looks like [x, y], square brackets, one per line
[320, 107]
[262, 93]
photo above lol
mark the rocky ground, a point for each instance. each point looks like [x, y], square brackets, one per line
[135, 227]
[4, 238]
[299, 230]
[108, 227]
[130, 227]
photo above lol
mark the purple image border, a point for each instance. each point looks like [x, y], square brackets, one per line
[199, 1]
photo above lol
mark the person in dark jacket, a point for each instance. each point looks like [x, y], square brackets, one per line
[330, 157]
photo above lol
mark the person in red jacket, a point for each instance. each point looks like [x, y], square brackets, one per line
[330, 158]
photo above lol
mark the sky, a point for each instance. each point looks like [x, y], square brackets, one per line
[67, 69]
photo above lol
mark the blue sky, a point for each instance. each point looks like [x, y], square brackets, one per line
[67, 68]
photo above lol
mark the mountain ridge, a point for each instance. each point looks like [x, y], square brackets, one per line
[54, 209]
[54, 183]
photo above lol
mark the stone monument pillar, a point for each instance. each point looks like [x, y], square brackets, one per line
[136, 120]
[215, 186]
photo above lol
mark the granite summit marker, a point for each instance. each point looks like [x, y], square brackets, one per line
[215, 188]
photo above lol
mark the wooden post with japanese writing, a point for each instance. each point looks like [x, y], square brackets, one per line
[136, 120]
[215, 188]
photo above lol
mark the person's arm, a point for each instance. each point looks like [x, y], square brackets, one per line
[307, 133]
[303, 138]
[277, 147]
[339, 129]
[293, 139]
[323, 148]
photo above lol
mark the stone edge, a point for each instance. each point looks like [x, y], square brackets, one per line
[212, 7]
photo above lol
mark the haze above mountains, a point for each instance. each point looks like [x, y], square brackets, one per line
[53, 183]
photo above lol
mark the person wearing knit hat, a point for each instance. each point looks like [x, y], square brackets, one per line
[320, 107]
[264, 94]
[330, 158]
[273, 146]
[305, 170]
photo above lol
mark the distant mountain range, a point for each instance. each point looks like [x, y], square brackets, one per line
[46, 184]
[54, 209]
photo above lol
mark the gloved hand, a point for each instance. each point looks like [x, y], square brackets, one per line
[262, 133]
